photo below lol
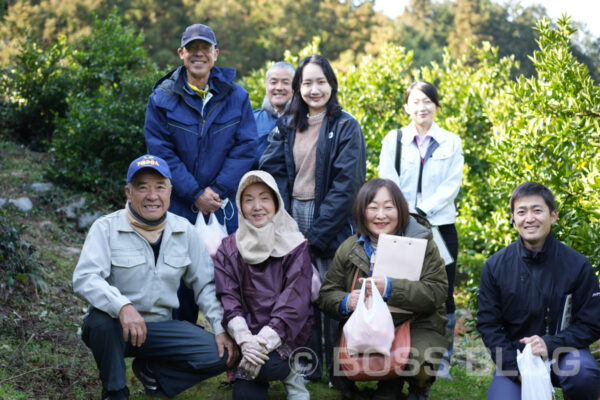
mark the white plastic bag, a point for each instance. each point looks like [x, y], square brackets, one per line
[212, 233]
[315, 284]
[535, 376]
[370, 328]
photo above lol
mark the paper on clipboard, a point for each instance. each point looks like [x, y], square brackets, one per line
[399, 257]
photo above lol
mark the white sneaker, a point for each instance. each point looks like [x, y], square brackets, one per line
[294, 385]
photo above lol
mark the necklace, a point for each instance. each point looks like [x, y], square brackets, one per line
[319, 115]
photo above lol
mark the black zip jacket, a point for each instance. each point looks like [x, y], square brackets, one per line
[520, 295]
[340, 172]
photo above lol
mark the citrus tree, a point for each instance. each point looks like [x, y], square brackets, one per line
[547, 129]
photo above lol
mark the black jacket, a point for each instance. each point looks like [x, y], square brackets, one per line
[520, 288]
[340, 172]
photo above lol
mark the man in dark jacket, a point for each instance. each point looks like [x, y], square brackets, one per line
[538, 291]
[201, 123]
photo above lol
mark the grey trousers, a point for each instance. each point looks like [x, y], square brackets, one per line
[180, 354]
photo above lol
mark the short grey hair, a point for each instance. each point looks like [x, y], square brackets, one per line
[280, 64]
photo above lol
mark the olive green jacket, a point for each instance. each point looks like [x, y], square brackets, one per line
[425, 298]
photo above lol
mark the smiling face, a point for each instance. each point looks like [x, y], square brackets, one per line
[258, 204]
[149, 193]
[533, 219]
[420, 108]
[381, 214]
[314, 88]
[198, 58]
[279, 87]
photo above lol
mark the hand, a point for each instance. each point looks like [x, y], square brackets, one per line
[538, 346]
[380, 283]
[133, 325]
[254, 350]
[209, 201]
[225, 342]
[353, 300]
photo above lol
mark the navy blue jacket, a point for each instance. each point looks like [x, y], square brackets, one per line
[210, 148]
[517, 288]
[340, 172]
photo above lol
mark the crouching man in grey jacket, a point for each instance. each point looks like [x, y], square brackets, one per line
[129, 271]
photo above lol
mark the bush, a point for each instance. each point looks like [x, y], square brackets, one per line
[103, 129]
[547, 129]
[16, 257]
[35, 92]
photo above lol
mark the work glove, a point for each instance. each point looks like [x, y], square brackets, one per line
[252, 369]
[253, 346]
[270, 337]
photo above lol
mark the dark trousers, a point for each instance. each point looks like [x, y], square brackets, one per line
[275, 369]
[188, 309]
[322, 340]
[180, 354]
[324, 333]
[450, 237]
[584, 385]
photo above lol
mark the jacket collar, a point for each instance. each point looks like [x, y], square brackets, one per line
[536, 257]
[268, 107]
[285, 127]
[220, 81]
[436, 133]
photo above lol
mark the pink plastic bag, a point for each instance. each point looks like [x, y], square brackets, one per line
[212, 234]
[370, 328]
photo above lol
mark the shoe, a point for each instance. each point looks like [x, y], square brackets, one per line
[294, 385]
[142, 371]
[444, 371]
[122, 394]
[417, 393]
[388, 390]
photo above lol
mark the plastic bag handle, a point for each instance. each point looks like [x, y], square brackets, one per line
[200, 220]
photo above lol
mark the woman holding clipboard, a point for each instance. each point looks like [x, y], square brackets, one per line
[427, 162]
[381, 208]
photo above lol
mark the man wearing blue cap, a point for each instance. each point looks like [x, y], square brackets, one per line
[129, 270]
[201, 123]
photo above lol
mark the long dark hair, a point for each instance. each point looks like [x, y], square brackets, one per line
[299, 108]
[367, 193]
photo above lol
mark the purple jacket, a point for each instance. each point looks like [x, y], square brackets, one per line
[275, 292]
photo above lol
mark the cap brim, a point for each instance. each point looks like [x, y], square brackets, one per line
[199, 38]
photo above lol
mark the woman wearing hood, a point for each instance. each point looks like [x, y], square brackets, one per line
[263, 279]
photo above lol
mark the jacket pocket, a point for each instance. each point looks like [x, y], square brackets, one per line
[222, 127]
[127, 260]
[177, 261]
[177, 127]
[173, 269]
[129, 268]
[441, 154]
[187, 122]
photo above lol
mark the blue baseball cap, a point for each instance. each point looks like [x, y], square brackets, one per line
[198, 32]
[148, 161]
